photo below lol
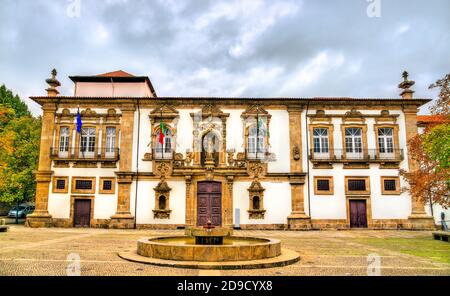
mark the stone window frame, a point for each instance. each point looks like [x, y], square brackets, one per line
[113, 185]
[397, 190]
[324, 192]
[330, 128]
[55, 180]
[210, 119]
[256, 111]
[155, 130]
[353, 192]
[83, 191]
[396, 144]
[103, 128]
[162, 189]
[254, 190]
[363, 127]
[169, 116]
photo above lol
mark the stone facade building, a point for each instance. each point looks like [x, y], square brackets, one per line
[139, 160]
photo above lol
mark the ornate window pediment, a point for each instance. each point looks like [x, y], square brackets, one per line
[163, 139]
[256, 122]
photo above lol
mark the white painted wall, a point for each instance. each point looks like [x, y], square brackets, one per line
[279, 141]
[277, 202]
[235, 130]
[146, 202]
[105, 205]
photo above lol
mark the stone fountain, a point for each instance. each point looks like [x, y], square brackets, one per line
[211, 247]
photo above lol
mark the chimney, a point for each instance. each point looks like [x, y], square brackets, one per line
[53, 83]
[407, 93]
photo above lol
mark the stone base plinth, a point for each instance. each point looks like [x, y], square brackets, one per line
[122, 221]
[299, 221]
[39, 219]
[421, 222]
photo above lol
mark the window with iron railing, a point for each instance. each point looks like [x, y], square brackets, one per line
[356, 185]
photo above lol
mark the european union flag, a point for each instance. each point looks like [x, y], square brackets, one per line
[79, 122]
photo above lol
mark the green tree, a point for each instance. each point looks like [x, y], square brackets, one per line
[436, 141]
[19, 148]
[8, 99]
[437, 144]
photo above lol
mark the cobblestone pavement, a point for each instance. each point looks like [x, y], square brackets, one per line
[25, 251]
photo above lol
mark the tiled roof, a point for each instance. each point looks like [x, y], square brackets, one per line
[118, 73]
[431, 119]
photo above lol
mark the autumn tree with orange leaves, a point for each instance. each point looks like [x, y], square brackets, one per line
[431, 150]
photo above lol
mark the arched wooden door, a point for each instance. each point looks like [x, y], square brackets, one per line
[209, 203]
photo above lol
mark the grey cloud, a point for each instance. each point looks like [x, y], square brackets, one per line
[288, 48]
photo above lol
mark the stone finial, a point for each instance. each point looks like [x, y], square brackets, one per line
[53, 83]
[407, 93]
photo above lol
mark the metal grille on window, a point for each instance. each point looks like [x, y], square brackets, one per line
[389, 185]
[323, 185]
[356, 185]
[60, 184]
[83, 184]
[107, 185]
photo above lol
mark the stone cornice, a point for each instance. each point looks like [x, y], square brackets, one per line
[191, 101]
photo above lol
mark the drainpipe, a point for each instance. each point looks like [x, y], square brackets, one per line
[307, 160]
[137, 162]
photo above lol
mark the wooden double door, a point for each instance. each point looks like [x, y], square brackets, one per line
[358, 213]
[82, 213]
[209, 203]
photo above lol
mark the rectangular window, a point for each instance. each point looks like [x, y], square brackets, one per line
[320, 140]
[64, 139]
[323, 185]
[386, 140]
[390, 185]
[353, 142]
[87, 144]
[110, 139]
[83, 184]
[107, 185]
[60, 184]
[357, 185]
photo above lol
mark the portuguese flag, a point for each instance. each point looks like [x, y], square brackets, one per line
[162, 132]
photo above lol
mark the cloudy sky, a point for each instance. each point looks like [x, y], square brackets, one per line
[294, 48]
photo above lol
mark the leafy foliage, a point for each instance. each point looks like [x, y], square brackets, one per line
[19, 148]
[431, 151]
[437, 144]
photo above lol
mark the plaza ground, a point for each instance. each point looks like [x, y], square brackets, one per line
[26, 251]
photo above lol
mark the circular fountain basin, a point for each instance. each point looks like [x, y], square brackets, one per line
[183, 248]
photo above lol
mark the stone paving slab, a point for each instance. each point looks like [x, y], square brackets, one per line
[26, 251]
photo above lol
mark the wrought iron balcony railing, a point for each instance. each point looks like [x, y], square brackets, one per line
[85, 154]
[160, 154]
[366, 155]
